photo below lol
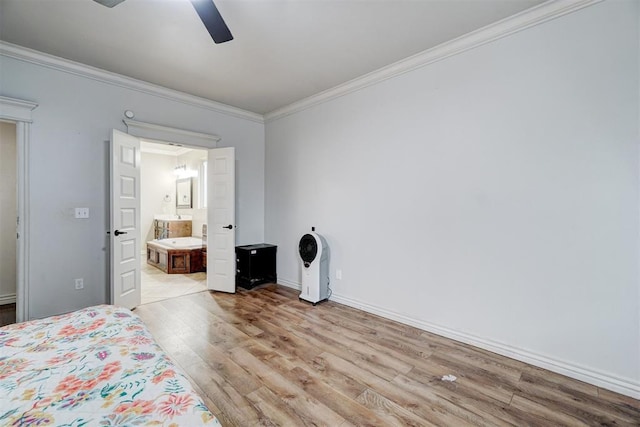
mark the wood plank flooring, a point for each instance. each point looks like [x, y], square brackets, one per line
[262, 357]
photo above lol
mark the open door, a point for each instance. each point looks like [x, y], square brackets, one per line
[221, 213]
[125, 219]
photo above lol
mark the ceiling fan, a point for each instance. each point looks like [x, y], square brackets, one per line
[207, 11]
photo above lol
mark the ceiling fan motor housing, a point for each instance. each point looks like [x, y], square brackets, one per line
[109, 3]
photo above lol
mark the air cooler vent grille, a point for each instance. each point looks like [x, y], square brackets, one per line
[308, 249]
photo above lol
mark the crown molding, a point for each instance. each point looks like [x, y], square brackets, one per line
[60, 64]
[531, 17]
[16, 109]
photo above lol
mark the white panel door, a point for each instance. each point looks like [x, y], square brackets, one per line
[125, 219]
[221, 233]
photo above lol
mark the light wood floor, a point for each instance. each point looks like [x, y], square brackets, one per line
[262, 357]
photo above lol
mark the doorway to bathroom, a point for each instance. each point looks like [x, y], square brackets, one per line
[173, 216]
[8, 215]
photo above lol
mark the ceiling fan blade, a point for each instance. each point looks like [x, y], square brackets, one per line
[212, 19]
[109, 3]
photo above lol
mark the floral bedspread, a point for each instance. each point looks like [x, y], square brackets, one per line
[94, 367]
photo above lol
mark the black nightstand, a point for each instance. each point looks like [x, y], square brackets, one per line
[255, 264]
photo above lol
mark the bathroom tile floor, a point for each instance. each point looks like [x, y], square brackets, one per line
[158, 285]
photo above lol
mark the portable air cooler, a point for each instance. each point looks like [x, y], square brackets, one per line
[314, 257]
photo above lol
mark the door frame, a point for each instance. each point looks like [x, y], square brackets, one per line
[19, 112]
[172, 136]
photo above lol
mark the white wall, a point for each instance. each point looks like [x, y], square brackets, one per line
[157, 181]
[491, 196]
[193, 161]
[8, 212]
[69, 168]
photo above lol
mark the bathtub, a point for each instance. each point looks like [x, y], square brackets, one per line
[180, 242]
[178, 255]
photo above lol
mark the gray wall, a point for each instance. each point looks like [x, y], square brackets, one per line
[492, 195]
[69, 168]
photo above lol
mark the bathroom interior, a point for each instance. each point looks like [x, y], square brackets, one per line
[173, 220]
[8, 213]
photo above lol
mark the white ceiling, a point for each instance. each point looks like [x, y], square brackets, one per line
[284, 50]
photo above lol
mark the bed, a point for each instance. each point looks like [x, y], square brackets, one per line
[94, 367]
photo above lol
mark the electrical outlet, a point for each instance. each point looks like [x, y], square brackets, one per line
[339, 274]
[82, 213]
[79, 283]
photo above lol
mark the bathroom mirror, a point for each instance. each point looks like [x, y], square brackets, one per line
[183, 193]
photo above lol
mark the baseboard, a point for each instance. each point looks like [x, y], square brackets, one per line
[289, 284]
[581, 373]
[7, 299]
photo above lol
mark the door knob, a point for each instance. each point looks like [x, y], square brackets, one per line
[118, 232]
[229, 226]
